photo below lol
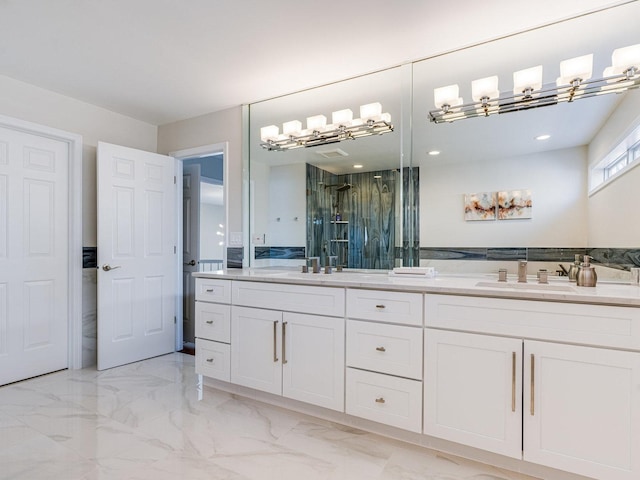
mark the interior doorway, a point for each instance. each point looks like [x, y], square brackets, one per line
[203, 227]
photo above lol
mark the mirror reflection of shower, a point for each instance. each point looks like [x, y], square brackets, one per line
[354, 219]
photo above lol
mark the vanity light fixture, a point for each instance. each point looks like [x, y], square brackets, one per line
[575, 82]
[372, 121]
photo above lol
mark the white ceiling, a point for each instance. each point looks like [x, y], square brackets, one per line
[160, 61]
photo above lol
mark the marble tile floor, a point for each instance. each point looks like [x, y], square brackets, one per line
[144, 421]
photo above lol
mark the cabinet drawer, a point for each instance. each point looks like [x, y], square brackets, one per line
[290, 298]
[212, 290]
[600, 325]
[392, 307]
[392, 349]
[390, 400]
[213, 359]
[213, 321]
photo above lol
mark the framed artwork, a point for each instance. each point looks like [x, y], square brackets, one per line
[480, 206]
[514, 204]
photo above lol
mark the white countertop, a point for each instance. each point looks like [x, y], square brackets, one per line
[559, 289]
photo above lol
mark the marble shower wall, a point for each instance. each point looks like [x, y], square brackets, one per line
[357, 224]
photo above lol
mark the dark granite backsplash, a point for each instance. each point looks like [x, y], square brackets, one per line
[618, 258]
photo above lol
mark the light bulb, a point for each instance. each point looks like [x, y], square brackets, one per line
[342, 117]
[370, 110]
[317, 122]
[527, 80]
[578, 68]
[485, 88]
[293, 127]
[269, 133]
[447, 96]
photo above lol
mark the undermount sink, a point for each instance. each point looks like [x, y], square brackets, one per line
[528, 286]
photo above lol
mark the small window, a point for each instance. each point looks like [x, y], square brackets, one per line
[617, 166]
[620, 160]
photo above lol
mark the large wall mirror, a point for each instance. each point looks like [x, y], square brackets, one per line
[314, 202]
[502, 152]
[341, 201]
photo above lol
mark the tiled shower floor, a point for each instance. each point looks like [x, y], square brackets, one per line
[143, 421]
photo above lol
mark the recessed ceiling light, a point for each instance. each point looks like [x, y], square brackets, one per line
[434, 152]
[377, 176]
[357, 166]
[543, 137]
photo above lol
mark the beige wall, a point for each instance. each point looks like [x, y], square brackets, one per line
[558, 183]
[611, 208]
[37, 105]
[217, 127]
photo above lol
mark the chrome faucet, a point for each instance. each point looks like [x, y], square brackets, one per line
[522, 271]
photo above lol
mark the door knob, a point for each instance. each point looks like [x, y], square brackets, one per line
[106, 267]
[192, 263]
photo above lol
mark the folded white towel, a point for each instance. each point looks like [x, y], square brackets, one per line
[418, 271]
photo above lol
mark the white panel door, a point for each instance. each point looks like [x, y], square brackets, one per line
[472, 390]
[582, 409]
[190, 246]
[34, 324]
[313, 359]
[136, 255]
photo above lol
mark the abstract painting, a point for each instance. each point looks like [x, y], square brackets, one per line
[480, 206]
[514, 204]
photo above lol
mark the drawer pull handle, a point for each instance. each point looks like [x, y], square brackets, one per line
[209, 290]
[209, 322]
[513, 381]
[532, 409]
[275, 341]
[381, 349]
[210, 360]
[380, 400]
[381, 307]
[284, 343]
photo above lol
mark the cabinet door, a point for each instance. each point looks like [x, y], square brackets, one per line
[472, 390]
[582, 409]
[313, 359]
[255, 348]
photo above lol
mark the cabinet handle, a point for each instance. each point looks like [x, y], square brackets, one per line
[209, 322]
[533, 384]
[284, 343]
[380, 400]
[209, 290]
[381, 307]
[275, 341]
[381, 349]
[513, 381]
[210, 360]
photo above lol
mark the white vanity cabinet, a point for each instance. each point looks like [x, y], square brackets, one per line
[384, 357]
[295, 354]
[213, 327]
[536, 395]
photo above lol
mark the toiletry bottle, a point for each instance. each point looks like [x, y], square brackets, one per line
[573, 269]
[587, 276]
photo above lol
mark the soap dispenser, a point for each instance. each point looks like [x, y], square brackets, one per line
[587, 276]
[573, 269]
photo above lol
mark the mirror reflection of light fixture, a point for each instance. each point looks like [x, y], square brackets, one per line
[372, 121]
[575, 82]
